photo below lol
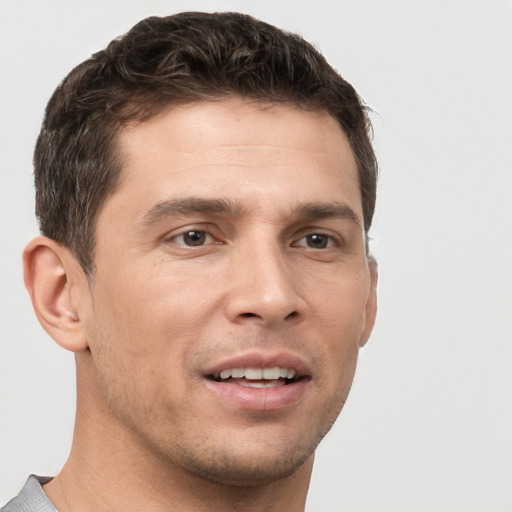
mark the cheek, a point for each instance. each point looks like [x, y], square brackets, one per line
[148, 326]
[338, 304]
[338, 316]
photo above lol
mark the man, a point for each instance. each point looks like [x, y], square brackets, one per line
[204, 187]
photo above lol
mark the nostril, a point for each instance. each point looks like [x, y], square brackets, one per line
[293, 314]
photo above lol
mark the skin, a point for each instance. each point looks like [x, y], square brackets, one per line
[282, 270]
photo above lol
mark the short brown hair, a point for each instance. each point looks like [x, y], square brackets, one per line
[177, 59]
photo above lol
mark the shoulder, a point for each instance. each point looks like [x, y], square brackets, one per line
[31, 498]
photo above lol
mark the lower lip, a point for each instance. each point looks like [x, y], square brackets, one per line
[259, 399]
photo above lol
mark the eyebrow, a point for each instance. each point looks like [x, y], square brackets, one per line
[331, 210]
[219, 206]
[190, 205]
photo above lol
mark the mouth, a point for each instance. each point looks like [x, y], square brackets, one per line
[252, 377]
[259, 381]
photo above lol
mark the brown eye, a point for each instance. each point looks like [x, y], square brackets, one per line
[192, 238]
[317, 241]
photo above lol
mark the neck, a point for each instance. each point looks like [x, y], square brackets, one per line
[110, 469]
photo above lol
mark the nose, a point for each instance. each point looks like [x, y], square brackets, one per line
[263, 288]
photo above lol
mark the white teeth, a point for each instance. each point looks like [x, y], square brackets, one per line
[262, 384]
[225, 374]
[253, 373]
[272, 374]
[237, 373]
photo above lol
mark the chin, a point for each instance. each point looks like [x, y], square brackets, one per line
[248, 464]
[239, 472]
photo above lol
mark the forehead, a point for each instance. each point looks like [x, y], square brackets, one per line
[247, 149]
[236, 121]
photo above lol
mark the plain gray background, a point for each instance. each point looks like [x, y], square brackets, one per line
[428, 426]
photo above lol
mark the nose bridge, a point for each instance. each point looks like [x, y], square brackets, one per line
[264, 287]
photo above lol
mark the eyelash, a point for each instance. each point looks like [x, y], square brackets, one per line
[330, 241]
[203, 234]
[199, 238]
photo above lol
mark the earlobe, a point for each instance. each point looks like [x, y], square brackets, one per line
[47, 269]
[371, 304]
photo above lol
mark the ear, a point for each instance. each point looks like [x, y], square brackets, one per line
[52, 277]
[371, 304]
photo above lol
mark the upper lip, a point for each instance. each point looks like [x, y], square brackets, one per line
[262, 360]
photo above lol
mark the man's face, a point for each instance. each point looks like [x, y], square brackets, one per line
[232, 290]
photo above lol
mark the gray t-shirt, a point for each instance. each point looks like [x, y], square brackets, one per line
[31, 498]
